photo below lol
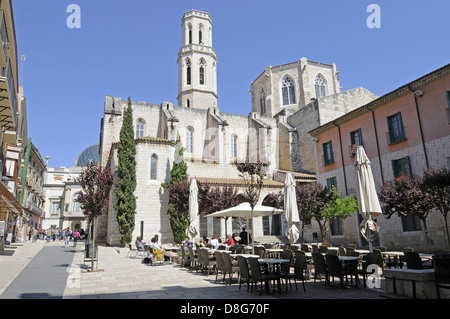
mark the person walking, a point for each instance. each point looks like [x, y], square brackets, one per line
[76, 236]
[35, 235]
[66, 237]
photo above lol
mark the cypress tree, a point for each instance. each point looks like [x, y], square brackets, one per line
[126, 173]
[178, 217]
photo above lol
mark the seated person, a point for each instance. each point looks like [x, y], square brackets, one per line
[230, 241]
[187, 242]
[214, 242]
[139, 244]
[155, 245]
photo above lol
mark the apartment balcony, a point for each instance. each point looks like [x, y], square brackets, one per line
[33, 208]
[8, 98]
[4, 40]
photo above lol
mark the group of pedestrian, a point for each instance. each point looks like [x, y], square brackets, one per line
[53, 234]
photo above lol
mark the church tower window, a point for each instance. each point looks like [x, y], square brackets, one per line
[190, 140]
[154, 167]
[140, 128]
[234, 146]
[202, 72]
[320, 86]
[190, 33]
[188, 72]
[288, 91]
[200, 34]
[262, 102]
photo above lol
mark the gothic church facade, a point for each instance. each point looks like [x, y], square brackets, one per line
[287, 101]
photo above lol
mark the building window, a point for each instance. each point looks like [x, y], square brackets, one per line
[190, 140]
[188, 103]
[202, 72]
[200, 34]
[402, 165]
[327, 153]
[188, 72]
[355, 140]
[233, 146]
[448, 98]
[75, 205]
[190, 33]
[336, 226]
[288, 91]
[154, 167]
[320, 86]
[140, 128]
[55, 207]
[395, 128]
[411, 222]
[262, 102]
[331, 182]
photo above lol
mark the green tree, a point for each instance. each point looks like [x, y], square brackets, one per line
[126, 173]
[178, 185]
[339, 207]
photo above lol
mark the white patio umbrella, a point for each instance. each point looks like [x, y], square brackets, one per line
[290, 208]
[369, 205]
[193, 209]
[244, 210]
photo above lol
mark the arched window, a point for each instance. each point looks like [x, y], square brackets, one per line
[190, 140]
[190, 33]
[154, 167]
[262, 102]
[233, 145]
[202, 72]
[320, 86]
[140, 128]
[188, 72]
[288, 91]
[200, 33]
[75, 205]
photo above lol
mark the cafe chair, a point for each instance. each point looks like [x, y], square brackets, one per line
[305, 248]
[259, 276]
[336, 269]
[342, 251]
[131, 251]
[371, 258]
[441, 264]
[352, 246]
[192, 258]
[320, 267]
[157, 256]
[228, 267]
[220, 264]
[207, 263]
[299, 272]
[323, 249]
[413, 261]
[200, 259]
[244, 272]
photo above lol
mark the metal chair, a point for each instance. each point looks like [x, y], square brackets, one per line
[258, 276]
[299, 271]
[131, 251]
[441, 264]
[157, 256]
[413, 261]
[192, 258]
[320, 267]
[220, 264]
[335, 269]
[244, 272]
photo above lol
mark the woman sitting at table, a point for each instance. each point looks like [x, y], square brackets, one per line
[214, 242]
[155, 245]
[230, 241]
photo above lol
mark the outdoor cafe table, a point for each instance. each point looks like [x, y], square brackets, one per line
[398, 254]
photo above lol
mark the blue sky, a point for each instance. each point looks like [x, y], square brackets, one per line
[129, 48]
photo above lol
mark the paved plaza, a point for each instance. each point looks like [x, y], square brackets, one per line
[49, 270]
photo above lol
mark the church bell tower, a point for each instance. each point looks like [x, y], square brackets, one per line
[197, 78]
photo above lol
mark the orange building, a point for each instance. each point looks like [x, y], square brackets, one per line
[406, 130]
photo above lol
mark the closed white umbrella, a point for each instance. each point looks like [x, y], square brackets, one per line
[290, 208]
[245, 210]
[368, 202]
[193, 209]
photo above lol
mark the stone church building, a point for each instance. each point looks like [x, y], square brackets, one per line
[287, 101]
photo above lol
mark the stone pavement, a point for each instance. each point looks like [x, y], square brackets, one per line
[122, 277]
